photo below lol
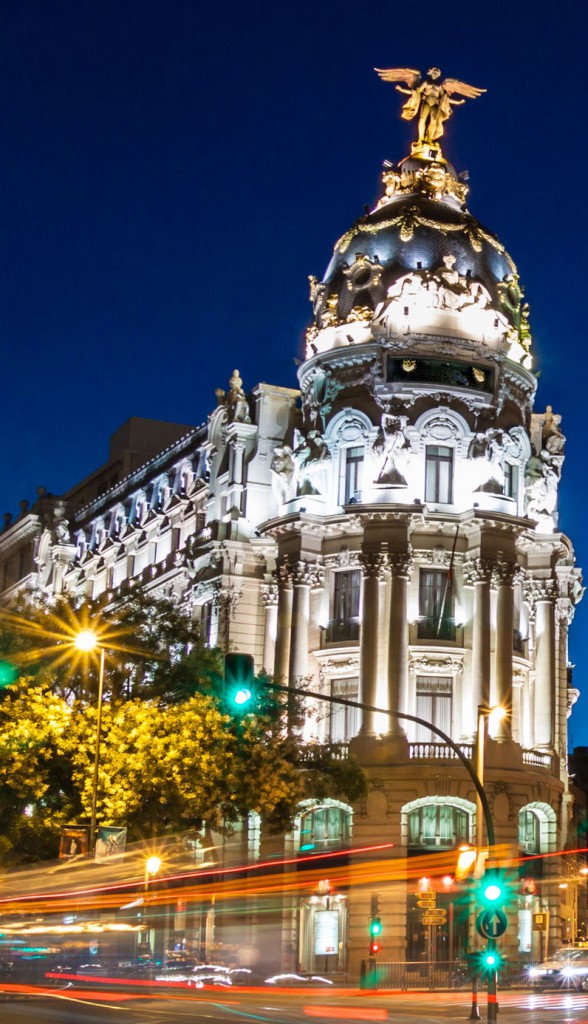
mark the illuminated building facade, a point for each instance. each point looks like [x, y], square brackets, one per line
[387, 533]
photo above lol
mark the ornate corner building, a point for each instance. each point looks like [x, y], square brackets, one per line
[387, 534]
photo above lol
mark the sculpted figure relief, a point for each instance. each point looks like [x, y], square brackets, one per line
[429, 98]
[391, 445]
[541, 486]
[487, 453]
[444, 288]
[234, 400]
[282, 467]
[552, 438]
[313, 454]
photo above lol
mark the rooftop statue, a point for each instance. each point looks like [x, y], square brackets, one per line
[429, 98]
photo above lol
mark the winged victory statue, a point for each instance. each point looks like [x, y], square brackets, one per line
[429, 98]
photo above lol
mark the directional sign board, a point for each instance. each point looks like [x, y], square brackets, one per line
[433, 919]
[491, 924]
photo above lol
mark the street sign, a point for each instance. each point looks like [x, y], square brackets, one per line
[435, 919]
[491, 924]
[427, 903]
[540, 922]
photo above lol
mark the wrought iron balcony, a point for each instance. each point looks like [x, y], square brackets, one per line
[340, 630]
[434, 628]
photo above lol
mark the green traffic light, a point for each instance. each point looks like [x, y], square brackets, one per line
[239, 678]
[8, 674]
[375, 926]
[493, 890]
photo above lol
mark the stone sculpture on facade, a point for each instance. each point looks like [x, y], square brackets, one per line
[234, 400]
[390, 446]
[283, 468]
[443, 289]
[313, 454]
[487, 455]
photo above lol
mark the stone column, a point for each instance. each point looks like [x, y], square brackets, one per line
[504, 575]
[269, 596]
[478, 573]
[373, 568]
[400, 566]
[306, 575]
[543, 593]
[284, 621]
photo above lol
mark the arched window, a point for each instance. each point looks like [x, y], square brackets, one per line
[434, 823]
[324, 828]
[529, 831]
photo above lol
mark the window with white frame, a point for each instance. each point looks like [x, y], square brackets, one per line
[439, 474]
[344, 621]
[344, 720]
[324, 828]
[352, 459]
[511, 480]
[437, 824]
[433, 704]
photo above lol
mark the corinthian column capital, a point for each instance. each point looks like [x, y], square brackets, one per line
[478, 570]
[373, 564]
[400, 565]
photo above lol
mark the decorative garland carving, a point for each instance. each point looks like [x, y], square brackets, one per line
[435, 664]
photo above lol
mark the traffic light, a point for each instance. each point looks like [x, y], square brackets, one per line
[375, 932]
[239, 680]
[493, 889]
[8, 674]
[487, 961]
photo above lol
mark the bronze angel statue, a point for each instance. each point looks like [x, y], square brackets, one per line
[430, 98]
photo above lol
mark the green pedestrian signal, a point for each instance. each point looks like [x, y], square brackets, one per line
[239, 679]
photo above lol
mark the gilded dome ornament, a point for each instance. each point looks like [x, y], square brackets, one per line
[430, 99]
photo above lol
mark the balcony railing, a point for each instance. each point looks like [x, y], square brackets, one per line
[536, 759]
[340, 630]
[434, 628]
[432, 751]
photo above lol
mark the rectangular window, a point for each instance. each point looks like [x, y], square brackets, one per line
[206, 622]
[511, 480]
[435, 605]
[344, 622]
[344, 721]
[351, 482]
[433, 703]
[439, 474]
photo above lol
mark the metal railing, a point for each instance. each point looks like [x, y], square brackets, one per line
[443, 974]
[340, 630]
[433, 628]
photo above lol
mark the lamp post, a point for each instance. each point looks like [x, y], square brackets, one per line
[152, 866]
[484, 713]
[87, 641]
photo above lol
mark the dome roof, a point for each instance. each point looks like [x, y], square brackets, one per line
[414, 231]
[420, 262]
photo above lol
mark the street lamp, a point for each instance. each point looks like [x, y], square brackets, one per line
[484, 714]
[87, 641]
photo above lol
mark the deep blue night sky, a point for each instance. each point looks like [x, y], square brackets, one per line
[172, 171]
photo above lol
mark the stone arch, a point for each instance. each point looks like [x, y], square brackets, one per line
[545, 835]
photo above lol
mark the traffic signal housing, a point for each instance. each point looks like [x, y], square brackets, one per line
[493, 890]
[375, 932]
[239, 681]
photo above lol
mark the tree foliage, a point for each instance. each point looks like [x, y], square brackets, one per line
[171, 756]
